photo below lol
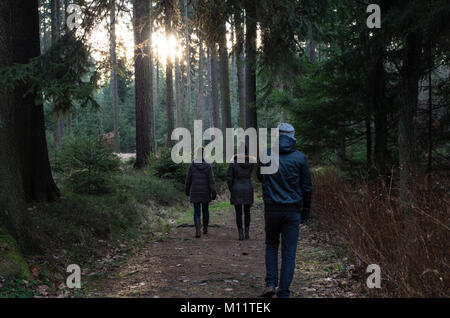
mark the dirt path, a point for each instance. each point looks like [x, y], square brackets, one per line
[218, 265]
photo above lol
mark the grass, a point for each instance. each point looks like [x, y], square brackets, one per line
[144, 187]
[187, 216]
[82, 228]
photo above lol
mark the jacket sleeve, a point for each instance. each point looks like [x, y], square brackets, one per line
[187, 184]
[259, 164]
[230, 176]
[305, 181]
[212, 183]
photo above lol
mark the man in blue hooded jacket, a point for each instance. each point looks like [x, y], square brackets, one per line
[287, 201]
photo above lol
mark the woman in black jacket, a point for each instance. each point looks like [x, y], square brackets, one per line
[201, 189]
[241, 188]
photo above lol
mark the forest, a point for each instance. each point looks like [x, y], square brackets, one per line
[91, 91]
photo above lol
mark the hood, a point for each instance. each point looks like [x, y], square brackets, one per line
[287, 144]
[247, 164]
[201, 166]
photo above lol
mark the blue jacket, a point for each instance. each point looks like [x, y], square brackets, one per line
[291, 186]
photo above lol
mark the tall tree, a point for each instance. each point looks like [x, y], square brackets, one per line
[169, 12]
[113, 82]
[56, 35]
[12, 195]
[378, 82]
[407, 115]
[38, 180]
[214, 86]
[179, 89]
[224, 79]
[188, 53]
[208, 115]
[142, 82]
[66, 29]
[22, 128]
[235, 89]
[152, 113]
[199, 110]
[250, 67]
[240, 63]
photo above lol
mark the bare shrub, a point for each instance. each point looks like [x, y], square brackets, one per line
[410, 241]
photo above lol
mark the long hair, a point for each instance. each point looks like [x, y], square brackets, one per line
[242, 151]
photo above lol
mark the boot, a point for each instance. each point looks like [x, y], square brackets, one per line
[198, 226]
[205, 226]
[269, 292]
[241, 234]
[247, 233]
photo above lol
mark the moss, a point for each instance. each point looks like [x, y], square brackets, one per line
[12, 263]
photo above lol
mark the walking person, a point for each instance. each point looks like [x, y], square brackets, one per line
[240, 185]
[287, 202]
[201, 189]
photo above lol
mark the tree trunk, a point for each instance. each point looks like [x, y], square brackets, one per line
[208, 109]
[201, 84]
[142, 81]
[379, 107]
[240, 63]
[113, 83]
[214, 88]
[157, 98]
[12, 196]
[56, 34]
[179, 94]
[188, 54]
[30, 127]
[234, 79]
[224, 80]
[430, 113]
[45, 41]
[169, 81]
[407, 118]
[250, 46]
[152, 115]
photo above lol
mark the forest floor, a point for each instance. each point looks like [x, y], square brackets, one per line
[218, 265]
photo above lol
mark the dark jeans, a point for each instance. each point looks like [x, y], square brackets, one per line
[199, 208]
[286, 224]
[238, 209]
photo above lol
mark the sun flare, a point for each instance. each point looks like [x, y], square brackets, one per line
[163, 46]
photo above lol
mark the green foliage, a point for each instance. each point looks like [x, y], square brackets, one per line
[220, 172]
[144, 187]
[64, 74]
[89, 165]
[162, 166]
[18, 288]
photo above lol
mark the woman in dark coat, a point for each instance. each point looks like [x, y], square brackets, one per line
[241, 188]
[201, 189]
